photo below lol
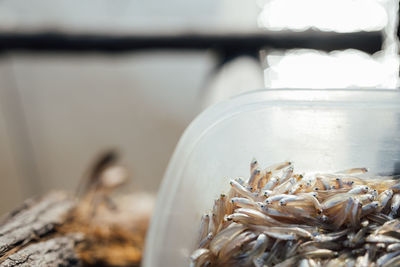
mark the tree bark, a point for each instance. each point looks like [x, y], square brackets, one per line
[57, 230]
[57, 251]
[27, 235]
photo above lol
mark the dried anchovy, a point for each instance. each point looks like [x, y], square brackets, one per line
[280, 218]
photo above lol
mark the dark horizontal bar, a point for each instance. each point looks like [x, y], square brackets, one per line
[369, 42]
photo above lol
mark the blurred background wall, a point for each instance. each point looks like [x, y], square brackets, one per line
[58, 110]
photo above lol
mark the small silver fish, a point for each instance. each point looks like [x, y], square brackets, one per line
[243, 202]
[241, 190]
[393, 247]
[354, 171]
[267, 193]
[219, 210]
[395, 261]
[253, 165]
[324, 182]
[335, 200]
[304, 263]
[287, 174]
[279, 166]
[223, 237]
[340, 218]
[258, 217]
[369, 208]
[359, 189]
[213, 227]
[284, 230]
[381, 239]
[394, 207]
[312, 197]
[284, 186]
[203, 231]
[363, 260]
[260, 246]
[321, 253]
[273, 182]
[386, 257]
[290, 198]
[235, 245]
[206, 241]
[199, 257]
[339, 182]
[355, 215]
[396, 187]
[276, 198]
[255, 177]
[384, 198]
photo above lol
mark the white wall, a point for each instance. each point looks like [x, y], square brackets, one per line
[59, 111]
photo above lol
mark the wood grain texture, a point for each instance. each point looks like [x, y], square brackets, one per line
[57, 251]
[58, 230]
[33, 220]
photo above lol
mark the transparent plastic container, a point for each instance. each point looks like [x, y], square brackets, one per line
[319, 130]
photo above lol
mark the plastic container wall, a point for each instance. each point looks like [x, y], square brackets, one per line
[317, 130]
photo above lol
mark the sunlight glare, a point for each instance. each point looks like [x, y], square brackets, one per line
[304, 68]
[325, 15]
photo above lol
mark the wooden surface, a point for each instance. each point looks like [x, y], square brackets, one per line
[24, 234]
[57, 251]
[59, 230]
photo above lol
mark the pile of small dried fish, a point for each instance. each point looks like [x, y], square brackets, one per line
[278, 218]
